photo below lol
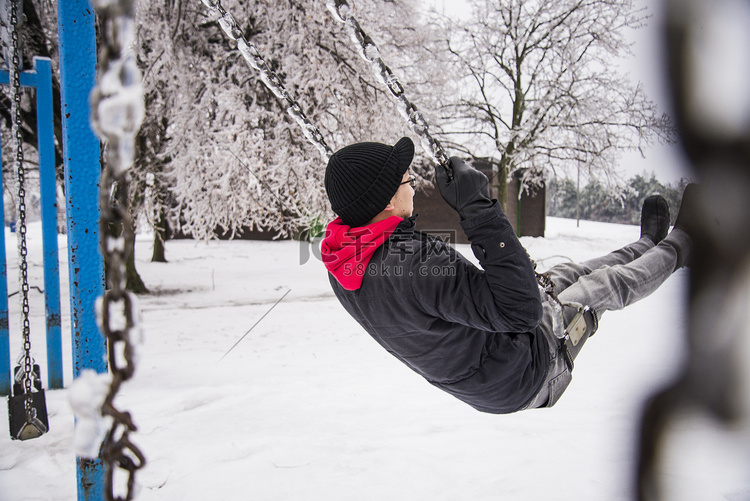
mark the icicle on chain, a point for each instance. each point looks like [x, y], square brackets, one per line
[271, 80]
[117, 113]
[15, 70]
[367, 49]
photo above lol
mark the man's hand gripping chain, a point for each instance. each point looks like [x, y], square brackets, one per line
[467, 191]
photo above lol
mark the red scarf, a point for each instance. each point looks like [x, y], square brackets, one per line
[347, 251]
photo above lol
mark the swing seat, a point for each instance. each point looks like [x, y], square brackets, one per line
[20, 427]
[39, 424]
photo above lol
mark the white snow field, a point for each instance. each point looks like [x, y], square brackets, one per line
[308, 407]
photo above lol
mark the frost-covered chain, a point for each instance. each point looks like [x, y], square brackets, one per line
[117, 110]
[367, 49]
[15, 71]
[547, 285]
[271, 80]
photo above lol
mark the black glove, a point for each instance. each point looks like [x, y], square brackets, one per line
[469, 190]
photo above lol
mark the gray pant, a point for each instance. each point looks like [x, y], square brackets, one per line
[607, 283]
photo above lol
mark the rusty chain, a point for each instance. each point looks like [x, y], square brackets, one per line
[255, 60]
[117, 111]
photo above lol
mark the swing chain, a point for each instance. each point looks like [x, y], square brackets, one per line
[15, 69]
[117, 113]
[546, 284]
[253, 57]
[367, 49]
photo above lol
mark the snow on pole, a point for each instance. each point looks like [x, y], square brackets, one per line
[86, 396]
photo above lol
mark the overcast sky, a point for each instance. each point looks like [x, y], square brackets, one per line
[451, 7]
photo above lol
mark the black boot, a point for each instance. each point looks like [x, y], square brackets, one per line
[688, 218]
[655, 218]
[689, 213]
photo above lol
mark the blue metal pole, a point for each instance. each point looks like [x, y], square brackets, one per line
[48, 195]
[27, 78]
[41, 79]
[5, 376]
[77, 39]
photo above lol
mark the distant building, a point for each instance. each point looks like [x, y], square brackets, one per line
[438, 218]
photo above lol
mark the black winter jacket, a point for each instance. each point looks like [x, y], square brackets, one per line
[468, 331]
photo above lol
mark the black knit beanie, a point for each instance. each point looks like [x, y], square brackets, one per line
[362, 178]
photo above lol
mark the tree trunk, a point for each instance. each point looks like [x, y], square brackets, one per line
[160, 236]
[501, 182]
[133, 281]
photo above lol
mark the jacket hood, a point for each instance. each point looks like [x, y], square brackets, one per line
[346, 250]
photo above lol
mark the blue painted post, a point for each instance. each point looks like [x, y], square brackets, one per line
[48, 195]
[41, 79]
[5, 376]
[77, 39]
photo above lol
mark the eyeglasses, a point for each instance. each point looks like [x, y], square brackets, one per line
[411, 182]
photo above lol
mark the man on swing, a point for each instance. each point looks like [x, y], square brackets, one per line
[487, 336]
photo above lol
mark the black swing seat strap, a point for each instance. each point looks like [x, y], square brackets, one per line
[25, 425]
[21, 427]
[583, 325]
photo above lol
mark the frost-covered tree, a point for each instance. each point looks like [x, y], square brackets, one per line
[538, 86]
[38, 33]
[219, 153]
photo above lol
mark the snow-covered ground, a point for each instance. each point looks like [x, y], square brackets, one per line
[308, 407]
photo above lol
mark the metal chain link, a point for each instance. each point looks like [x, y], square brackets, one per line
[547, 285]
[367, 49]
[253, 57]
[15, 71]
[117, 113]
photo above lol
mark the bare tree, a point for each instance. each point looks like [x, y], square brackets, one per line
[539, 87]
